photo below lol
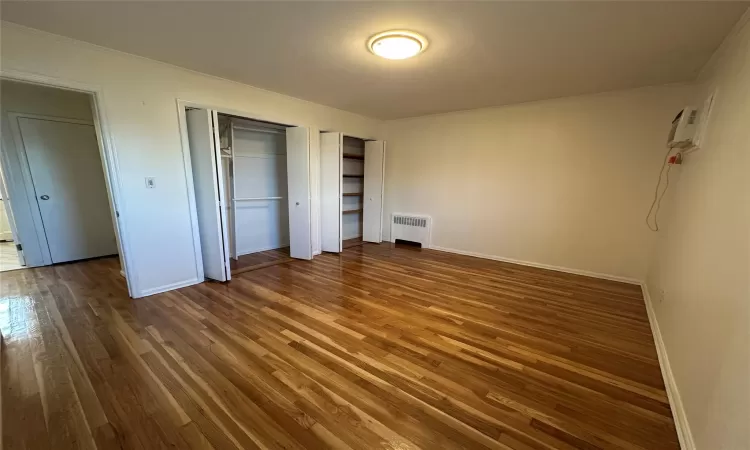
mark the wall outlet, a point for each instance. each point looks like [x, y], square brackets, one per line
[150, 183]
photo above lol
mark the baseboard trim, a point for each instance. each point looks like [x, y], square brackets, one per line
[675, 401]
[603, 276]
[168, 287]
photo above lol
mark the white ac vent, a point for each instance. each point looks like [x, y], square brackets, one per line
[411, 227]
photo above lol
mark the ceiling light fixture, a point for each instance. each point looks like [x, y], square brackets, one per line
[397, 44]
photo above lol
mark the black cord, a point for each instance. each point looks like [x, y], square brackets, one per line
[657, 198]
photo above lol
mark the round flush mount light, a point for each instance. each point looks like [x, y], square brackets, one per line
[397, 44]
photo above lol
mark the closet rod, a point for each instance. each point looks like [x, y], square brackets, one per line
[248, 199]
[259, 130]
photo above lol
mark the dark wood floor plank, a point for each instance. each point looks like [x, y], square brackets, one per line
[378, 347]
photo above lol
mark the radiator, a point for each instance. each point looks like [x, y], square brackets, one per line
[411, 227]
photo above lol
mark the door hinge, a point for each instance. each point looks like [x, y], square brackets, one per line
[19, 247]
[117, 214]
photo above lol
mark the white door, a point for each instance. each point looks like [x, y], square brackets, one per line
[205, 161]
[298, 179]
[331, 145]
[372, 216]
[68, 178]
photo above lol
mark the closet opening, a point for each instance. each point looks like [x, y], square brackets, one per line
[352, 192]
[251, 185]
[254, 160]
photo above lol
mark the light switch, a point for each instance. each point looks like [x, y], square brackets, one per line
[150, 183]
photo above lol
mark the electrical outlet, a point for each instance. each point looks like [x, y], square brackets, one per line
[150, 183]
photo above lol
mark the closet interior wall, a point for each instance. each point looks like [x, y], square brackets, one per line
[255, 174]
[353, 170]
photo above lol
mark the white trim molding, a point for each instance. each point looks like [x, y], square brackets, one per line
[675, 402]
[586, 273]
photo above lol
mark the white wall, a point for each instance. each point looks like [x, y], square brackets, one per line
[563, 182]
[699, 281]
[32, 99]
[139, 102]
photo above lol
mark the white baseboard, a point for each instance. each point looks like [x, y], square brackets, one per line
[541, 266]
[678, 411]
[168, 287]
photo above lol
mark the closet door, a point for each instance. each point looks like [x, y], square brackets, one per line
[331, 161]
[372, 219]
[298, 179]
[205, 158]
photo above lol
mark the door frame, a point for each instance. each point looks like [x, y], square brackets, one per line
[181, 104]
[108, 156]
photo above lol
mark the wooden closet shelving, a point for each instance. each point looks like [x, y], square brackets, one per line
[353, 176]
[353, 194]
[354, 156]
[351, 211]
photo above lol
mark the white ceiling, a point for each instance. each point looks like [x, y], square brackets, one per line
[480, 54]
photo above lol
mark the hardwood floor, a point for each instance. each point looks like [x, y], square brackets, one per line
[259, 260]
[380, 347]
[353, 242]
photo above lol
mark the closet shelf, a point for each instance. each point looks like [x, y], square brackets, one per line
[353, 176]
[351, 211]
[354, 156]
[353, 194]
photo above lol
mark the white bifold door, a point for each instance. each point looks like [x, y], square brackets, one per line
[372, 216]
[331, 167]
[298, 192]
[210, 198]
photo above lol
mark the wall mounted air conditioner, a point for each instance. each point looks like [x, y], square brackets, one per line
[683, 129]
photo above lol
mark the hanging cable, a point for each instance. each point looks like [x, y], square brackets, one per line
[656, 203]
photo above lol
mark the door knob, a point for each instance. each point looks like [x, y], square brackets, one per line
[44, 197]
[297, 203]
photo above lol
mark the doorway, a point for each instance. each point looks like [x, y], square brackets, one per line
[251, 190]
[55, 192]
[10, 257]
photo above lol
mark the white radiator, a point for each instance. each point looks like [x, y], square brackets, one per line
[411, 227]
